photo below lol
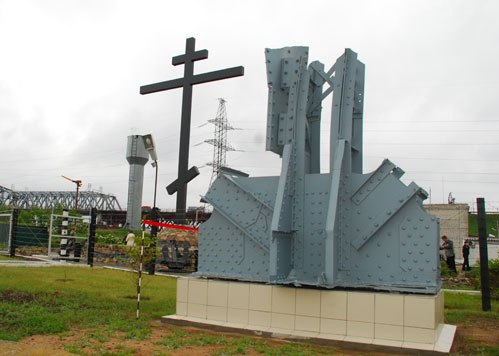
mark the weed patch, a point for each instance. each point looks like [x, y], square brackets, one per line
[14, 296]
[222, 345]
[34, 301]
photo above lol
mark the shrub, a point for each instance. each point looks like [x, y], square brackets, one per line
[445, 271]
[493, 277]
[111, 236]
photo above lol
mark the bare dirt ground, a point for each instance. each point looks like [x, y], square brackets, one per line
[57, 344]
[476, 333]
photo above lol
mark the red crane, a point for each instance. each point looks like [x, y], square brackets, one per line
[78, 185]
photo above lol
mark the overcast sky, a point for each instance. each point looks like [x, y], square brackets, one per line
[70, 73]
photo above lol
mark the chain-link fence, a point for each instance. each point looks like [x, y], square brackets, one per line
[62, 235]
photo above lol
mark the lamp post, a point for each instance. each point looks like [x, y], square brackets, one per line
[155, 165]
[149, 145]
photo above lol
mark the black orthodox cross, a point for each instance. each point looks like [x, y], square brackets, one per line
[185, 175]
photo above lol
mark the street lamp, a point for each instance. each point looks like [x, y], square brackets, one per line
[149, 145]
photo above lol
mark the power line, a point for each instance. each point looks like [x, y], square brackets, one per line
[433, 131]
[427, 121]
[436, 159]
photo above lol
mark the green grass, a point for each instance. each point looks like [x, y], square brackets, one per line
[462, 307]
[53, 299]
[486, 351]
[491, 221]
[179, 338]
[59, 300]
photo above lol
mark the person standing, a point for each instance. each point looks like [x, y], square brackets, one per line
[450, 257]
[466, 256]
[130, 239]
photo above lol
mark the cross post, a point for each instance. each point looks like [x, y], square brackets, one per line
[191, 55]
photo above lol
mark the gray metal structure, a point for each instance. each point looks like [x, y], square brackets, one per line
[337, 229]
[51, 199]
[137, 156]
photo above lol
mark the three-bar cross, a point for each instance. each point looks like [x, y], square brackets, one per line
[184, 174]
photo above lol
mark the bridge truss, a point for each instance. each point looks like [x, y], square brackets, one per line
[50, 199]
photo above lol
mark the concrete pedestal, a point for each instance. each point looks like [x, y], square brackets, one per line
[387, 319]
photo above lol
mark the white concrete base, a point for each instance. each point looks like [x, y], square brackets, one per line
[374, 318]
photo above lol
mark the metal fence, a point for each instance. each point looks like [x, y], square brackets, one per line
[44, 234]
[5, 229]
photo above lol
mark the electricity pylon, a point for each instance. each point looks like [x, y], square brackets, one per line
[219, 141]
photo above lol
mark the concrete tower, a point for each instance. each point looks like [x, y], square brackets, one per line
[137, 156]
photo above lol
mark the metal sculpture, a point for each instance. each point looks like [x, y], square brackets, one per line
[176, 256]
[337, 229]
[185, 175]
